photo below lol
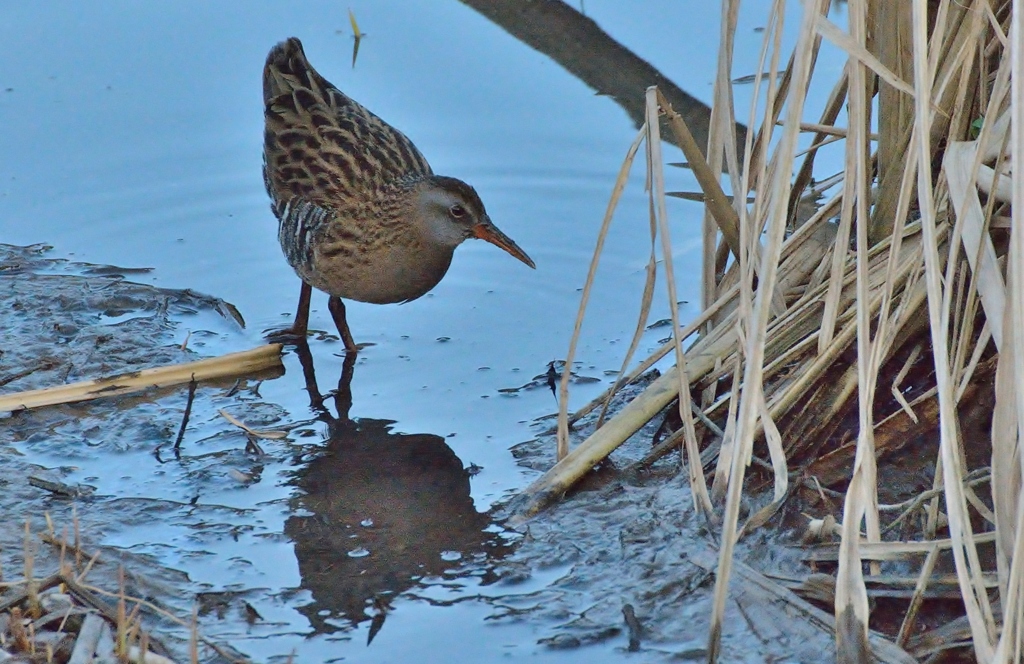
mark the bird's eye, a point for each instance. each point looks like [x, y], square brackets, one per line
[457, 211]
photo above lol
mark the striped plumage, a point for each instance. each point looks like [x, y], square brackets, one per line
[361, 214]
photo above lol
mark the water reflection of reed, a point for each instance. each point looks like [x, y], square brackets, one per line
[376, 510]
[586, 51]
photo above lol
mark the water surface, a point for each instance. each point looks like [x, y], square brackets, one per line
[133, 137]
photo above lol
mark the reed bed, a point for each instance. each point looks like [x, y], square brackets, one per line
[827, 342]
[62, 617]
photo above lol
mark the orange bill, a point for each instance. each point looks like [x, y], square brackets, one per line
[485, 230]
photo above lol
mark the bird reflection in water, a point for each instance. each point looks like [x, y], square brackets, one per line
[376, 511]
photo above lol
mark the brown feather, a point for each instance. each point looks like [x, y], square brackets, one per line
[320, 144]
[361, 215]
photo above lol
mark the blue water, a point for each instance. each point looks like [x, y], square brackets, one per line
[132, 136]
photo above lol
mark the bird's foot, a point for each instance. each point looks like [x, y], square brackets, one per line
[353, 349]
[288, 336]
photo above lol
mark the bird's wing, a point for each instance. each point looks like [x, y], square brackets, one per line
[321, 146]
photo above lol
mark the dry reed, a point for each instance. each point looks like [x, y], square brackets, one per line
[261, 358]
[909, 277]
[100, 631]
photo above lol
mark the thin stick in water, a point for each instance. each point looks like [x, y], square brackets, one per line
[188, 411]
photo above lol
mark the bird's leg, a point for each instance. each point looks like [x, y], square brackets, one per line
[337, 308]
[301, 322]
[297, 332]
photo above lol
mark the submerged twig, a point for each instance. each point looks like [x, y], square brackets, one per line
[188, 411]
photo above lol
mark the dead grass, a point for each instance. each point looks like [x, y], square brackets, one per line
[61, 617]
[887, 308]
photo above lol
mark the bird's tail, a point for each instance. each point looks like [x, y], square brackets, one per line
[288, 69]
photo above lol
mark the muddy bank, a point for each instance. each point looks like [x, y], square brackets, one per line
[68, 321]
[631, 538]
[628, 542]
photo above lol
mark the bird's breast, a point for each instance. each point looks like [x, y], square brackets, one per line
[378, 270]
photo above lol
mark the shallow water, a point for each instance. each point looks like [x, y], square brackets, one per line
[133, 137]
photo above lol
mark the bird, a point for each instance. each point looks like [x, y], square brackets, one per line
[361, 215]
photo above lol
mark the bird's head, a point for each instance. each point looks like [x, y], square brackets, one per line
[451, 211]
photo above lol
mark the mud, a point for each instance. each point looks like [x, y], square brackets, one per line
[67, 321]
[633, 539]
